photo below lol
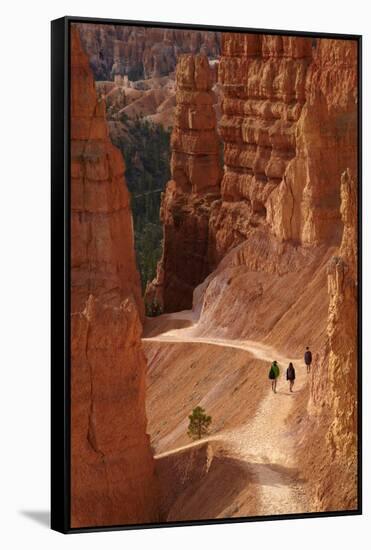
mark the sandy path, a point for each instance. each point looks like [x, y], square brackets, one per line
[264, 443]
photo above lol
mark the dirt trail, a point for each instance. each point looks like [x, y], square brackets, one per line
[264, 443]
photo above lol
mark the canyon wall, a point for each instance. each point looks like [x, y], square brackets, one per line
[112, 468]
[342, 324]
[326, 143]
[283, 238]
[142, 52]
[263, 81]
[333, 389]
[264, 250]
[277, 242]
[289, 129]
[195, 185]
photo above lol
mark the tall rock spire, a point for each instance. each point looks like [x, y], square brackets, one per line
[112, 468]
[195, 184]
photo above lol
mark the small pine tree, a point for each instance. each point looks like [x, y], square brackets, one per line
[199, 423]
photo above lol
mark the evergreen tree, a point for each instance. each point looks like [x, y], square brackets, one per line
[146, 149]
[199, 423]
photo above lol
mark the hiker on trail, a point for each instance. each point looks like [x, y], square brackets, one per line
[290, 375]
[274, 373]
[308, 359]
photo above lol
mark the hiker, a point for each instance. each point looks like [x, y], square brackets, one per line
[290, 375]
[308, 359]
[274, 373]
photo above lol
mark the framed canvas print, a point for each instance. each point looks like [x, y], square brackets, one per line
[206, 226]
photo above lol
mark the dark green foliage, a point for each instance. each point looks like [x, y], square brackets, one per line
[199, 423]
[136, 72]
[153, 308]
[146, 150]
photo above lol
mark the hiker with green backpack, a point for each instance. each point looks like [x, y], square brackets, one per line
[274, 373]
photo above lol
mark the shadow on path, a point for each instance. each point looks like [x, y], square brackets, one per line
[276, 475]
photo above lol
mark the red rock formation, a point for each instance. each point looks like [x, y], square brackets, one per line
[342, 327]
[326, 140]
[142, 52]
[290, 130]
[196, 175]
[289, 126]
[263, 80]
[333, 394]
[112, 469]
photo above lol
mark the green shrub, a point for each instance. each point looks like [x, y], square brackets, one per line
[153, 309]
[199, 423]
[146, 149]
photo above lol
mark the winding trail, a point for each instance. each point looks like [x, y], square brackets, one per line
[264, 443]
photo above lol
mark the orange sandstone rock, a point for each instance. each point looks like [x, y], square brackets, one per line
[342, 324]
[333, 389]
[305, 206]
[196, 174]
[289, 127]
[112, 468]
[263, 81]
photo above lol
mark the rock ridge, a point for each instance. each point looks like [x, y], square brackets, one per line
[112, 467]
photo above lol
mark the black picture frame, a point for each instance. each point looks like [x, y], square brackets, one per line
[60, 272]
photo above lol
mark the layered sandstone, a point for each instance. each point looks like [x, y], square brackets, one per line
[289, 127]
[142, 52]
[124, 99]
[263, 82]
[195, 185]
[112, 469]
[289, 130]
[334, 393]
[278, 255]
[326, 141]
[278, 244]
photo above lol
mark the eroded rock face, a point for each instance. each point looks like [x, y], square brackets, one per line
[263, 81]
[326, 141]
[196, 175]
[142, 52]
[334, 387]
[289, 130]
[342, 322]
[112, 466]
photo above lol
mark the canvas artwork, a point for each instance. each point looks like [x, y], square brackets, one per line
[214, 307]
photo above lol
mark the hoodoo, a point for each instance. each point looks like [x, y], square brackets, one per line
[112, 468]
[142, 52]
[333, 396]
[195, 185]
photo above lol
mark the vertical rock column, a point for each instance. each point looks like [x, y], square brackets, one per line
[335, 391]
[196, 175]
[342, 325]
[112, 468]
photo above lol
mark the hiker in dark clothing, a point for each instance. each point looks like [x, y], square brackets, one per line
[290, 375]
[308, 359]
[274, 373]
